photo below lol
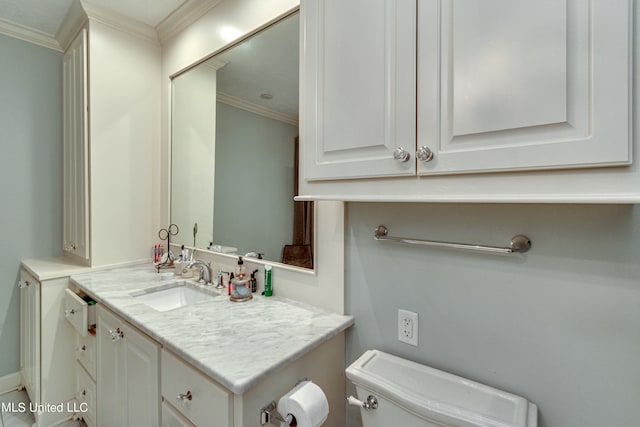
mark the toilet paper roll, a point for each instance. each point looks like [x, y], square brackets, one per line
[307, 403]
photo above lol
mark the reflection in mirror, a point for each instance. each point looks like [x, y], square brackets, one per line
[234, 153]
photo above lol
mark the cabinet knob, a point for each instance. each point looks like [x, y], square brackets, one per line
[183, 397]
[424, 154]
[23, 284]
[401, 154]
[116, 335]
[81, 349]
[69, 312]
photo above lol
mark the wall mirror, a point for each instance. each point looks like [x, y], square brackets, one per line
[234, 143]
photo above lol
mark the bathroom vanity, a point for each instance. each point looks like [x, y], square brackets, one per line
[209, 362]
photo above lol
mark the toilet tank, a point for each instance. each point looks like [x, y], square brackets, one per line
[413, 395]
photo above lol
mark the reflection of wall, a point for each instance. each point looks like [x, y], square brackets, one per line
[192, 154]
[254, 182]
[559, 325]
[30, 172]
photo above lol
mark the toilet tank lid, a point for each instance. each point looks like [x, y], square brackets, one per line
[438, 395]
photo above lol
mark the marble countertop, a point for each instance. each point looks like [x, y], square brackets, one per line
[236, 344]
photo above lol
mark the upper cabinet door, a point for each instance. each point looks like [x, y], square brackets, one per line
[359, 95]
[516, 85]
[75, 149]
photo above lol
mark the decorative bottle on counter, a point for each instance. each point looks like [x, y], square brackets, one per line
[268, 286]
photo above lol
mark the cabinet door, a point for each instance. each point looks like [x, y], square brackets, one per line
[30, 334]
[142, 364]
[359, 90]
[111, 382]
[128, 374]
[516, 85]
[75, 227]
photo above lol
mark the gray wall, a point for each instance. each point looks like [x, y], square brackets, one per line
[559, 326]
[30, 174]
[253, 209]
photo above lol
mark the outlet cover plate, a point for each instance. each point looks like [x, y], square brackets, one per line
[408, 327]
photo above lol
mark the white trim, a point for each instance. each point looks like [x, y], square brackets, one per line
[121, 23]
[256, 109]
[182, 17]
[9, 382]
[72, 23]
[27, 34]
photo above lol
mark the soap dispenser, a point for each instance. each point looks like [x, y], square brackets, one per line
[240, 287]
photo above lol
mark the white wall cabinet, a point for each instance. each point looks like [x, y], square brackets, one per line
[476, 89]
[111, 123]
[75, 227]
[128, 380]
[47, 345]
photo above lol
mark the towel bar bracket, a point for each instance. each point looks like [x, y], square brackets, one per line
[518, 244]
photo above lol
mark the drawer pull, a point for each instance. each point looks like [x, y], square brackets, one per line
[23, 284]
[69, 312]
[184, 397]
[116, 335]
[82, 394]
[81, 349]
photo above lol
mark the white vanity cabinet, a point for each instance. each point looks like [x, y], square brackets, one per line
[437, 88]
[128, 382]
[47, 345]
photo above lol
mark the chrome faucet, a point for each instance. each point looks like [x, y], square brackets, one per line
[205, 270]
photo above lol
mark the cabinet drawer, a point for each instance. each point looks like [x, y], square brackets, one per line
[172, 418]
[86, 353]
[76, 311]
[86, 396]
[207, 404]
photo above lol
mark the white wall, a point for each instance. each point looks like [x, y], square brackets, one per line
[30, 174]
[559, 326]
[193, 154]
[124, 92]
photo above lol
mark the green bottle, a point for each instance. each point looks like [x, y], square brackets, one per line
[268, 286]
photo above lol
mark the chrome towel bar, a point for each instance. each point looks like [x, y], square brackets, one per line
[519, 243]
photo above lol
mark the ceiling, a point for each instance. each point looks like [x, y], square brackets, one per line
[45, 16]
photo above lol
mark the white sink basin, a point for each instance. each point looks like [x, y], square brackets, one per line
[171, 296]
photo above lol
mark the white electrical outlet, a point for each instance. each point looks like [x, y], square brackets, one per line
[408, 327]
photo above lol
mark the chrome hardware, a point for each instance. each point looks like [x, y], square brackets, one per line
[519, 243]
[23, 284]
[371, 402]
[424, 154]
[69, 312]
[70, 247]
[270, 415]
[401, 154]
[183, 397]
[81, 349]
[116, 335]
[82, 394]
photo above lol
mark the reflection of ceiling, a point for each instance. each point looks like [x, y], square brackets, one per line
[267, 63]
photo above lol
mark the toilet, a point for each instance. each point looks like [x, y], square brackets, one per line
[397, 392]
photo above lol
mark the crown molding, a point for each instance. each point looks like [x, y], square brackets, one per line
[256, 109]
[72, 23]
[29, 35]
[188, 13]
[120, 22]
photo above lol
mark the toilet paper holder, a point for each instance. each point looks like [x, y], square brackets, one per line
[270, 415]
